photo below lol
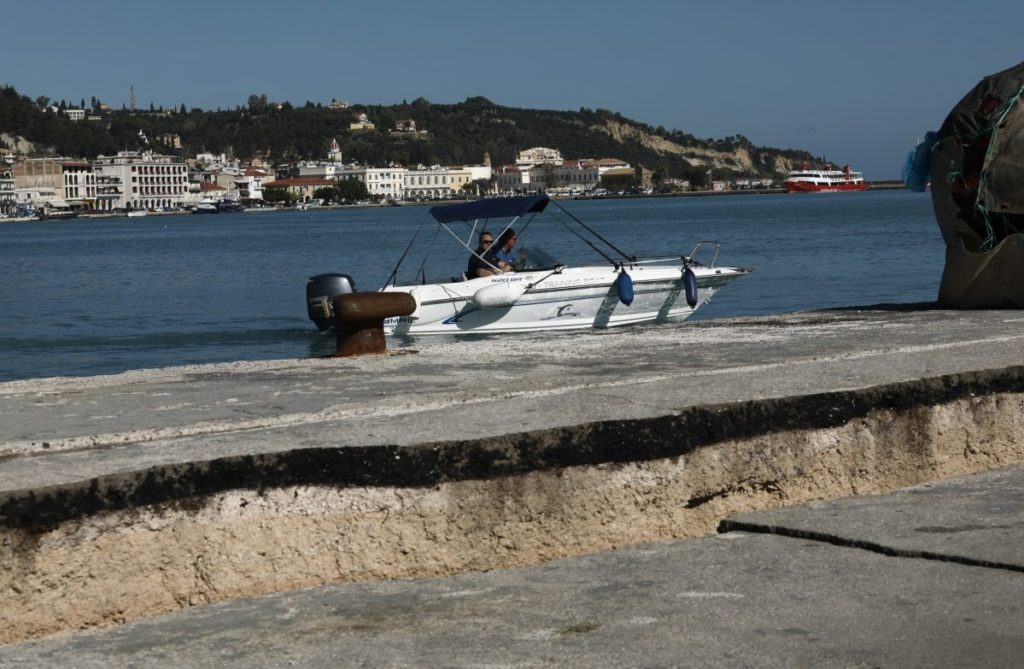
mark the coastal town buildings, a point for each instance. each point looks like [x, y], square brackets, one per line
[250, 184]
[538, 155]
[133, 180]
[211, 192]
[80, 186]
[427, 183]
[299, 188]
[39, 183]
[149, 180]
[7, 199]
[322, 170]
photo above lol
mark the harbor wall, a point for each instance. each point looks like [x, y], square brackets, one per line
[132, 544]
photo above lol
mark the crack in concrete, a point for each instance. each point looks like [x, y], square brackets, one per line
[729, 525]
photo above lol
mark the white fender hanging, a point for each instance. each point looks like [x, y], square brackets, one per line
[495, 295]
[415, 292]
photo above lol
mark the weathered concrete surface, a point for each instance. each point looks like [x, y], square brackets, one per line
[127, 496]
[978, 520]
[735, 599]
[474, 389]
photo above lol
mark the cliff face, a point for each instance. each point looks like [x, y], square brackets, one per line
[741, 158]
[16, 144]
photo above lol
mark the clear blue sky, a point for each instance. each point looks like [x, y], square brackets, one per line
[858, 82]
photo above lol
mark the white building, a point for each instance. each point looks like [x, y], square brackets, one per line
[148, 180]
[385, 182]
[334, 155]
[324, 170]
[512, 179]
[216, 161]
[539, 155]
[427, 183]
[80, 188]
[459, 177]
[249, 185]
[574, 175]
[7, 198]
[606, 164]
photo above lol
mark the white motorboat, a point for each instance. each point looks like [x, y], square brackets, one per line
[542, 293]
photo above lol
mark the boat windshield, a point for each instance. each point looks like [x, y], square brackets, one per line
[535, 258]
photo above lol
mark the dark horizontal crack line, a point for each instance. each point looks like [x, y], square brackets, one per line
[608, 443]
[729, 525]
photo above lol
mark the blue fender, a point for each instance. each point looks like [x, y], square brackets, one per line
[690, 283]
[624, 285]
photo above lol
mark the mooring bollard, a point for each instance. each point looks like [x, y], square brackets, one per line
[359, 320]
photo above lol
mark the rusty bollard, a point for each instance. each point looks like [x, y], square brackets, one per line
[359, 320]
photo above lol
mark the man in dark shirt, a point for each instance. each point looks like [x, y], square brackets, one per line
[477, 267]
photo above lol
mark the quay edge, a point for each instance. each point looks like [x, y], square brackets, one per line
[661, 438]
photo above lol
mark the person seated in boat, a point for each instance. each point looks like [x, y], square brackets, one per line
[477, 266]
[501, 255]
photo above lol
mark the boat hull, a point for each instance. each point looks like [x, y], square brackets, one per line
[571, 299]
[808, 187]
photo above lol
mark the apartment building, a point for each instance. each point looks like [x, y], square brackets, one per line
[148, 180]
[427, 183]
[386, 182]
[250, 184]
[79, 185]
[7, 198]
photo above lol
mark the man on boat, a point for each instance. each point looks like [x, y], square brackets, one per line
[477, 265]
[501, 256]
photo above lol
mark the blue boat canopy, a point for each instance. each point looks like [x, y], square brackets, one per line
[499, 207]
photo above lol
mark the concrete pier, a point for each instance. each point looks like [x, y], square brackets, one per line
[140, 494]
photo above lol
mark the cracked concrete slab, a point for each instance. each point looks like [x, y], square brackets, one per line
[976, 519]
[735, 599]
[128, 496]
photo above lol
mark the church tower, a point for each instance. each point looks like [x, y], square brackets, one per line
[335, 153]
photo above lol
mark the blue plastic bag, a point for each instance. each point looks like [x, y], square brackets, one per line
[918, 165]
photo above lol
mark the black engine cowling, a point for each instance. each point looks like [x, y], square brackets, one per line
[320, 293]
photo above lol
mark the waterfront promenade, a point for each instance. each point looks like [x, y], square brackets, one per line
[150, 492]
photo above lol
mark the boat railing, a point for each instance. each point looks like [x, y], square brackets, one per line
[696, 249]
[691, 258]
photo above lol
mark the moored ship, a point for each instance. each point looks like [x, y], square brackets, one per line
[806, 180]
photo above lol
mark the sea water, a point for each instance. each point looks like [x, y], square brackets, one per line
[99, 296]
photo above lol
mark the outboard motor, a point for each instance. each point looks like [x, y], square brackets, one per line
[320, 293]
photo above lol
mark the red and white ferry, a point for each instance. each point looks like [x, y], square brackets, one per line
[806, 180]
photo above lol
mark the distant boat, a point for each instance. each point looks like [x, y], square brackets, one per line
[229, 207]
[806, 180]
[57, 214]
[137, 213]
[205, 208]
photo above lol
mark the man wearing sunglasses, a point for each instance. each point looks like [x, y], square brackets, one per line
[477, 267]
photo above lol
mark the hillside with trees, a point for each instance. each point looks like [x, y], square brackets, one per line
[447, 134]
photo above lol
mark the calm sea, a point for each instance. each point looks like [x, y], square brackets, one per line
[108, 295]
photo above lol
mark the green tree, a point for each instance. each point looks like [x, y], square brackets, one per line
[351, 190]
[277, 195]
[258, 103]
[327, 194]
